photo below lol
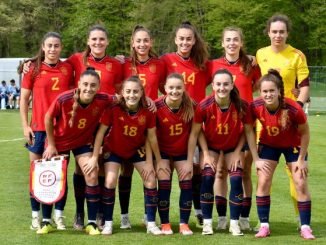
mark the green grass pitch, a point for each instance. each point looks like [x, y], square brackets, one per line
[15, 211]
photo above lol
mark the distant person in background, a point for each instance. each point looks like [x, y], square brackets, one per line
[290, 63]
[4, 95]
[45, 80]
[14, 95]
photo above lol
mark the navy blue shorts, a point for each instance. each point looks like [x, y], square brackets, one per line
[39, 142]
[79, 150]
[139, 156]
[291, 154]
[224, 151]
[174, 158]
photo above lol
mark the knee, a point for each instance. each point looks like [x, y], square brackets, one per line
[163, 173]
[92, 178]
[110, 183]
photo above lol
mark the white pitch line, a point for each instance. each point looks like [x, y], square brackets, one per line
[11, 140]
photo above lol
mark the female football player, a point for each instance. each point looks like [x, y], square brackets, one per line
[284, 131]
[70, 123]
[174, 117]
[245, 76]
[45, 80]
[191, 60]
[220, 116]
[144, 63]
[130, 123]
[291, 64]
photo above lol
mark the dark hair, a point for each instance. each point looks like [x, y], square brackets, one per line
[39, 57]
[133, 53]
[245, 62]
[278, 17]
[234, 94]
[187, 104]
[275, 77]
[199, 53]
[142, 101]
[88, 50]
[89, 71]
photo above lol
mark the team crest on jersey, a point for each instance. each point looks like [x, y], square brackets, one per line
[121, 118]
[95, 111]
[108, 66]
[165, 120]
[152, 68]
[213, 117]
[234, 116]
[174, 64]
[141, 120]
[64, 71]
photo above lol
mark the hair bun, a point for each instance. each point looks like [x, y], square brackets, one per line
[90, 68]
[186, 22]
[275, 73]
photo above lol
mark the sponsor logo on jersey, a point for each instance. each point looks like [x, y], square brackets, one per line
[165, 120]
[121, 118]
[174, 64]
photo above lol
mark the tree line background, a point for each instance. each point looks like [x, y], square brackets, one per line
[24, 22]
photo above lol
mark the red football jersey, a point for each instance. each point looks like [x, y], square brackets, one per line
[222, 129]
[272, 133]
[243, 82]
[46, 86]
[196, 80]
[172, 131]
[109, 69]
[85, 122]
[152, 73]
[128, 132]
